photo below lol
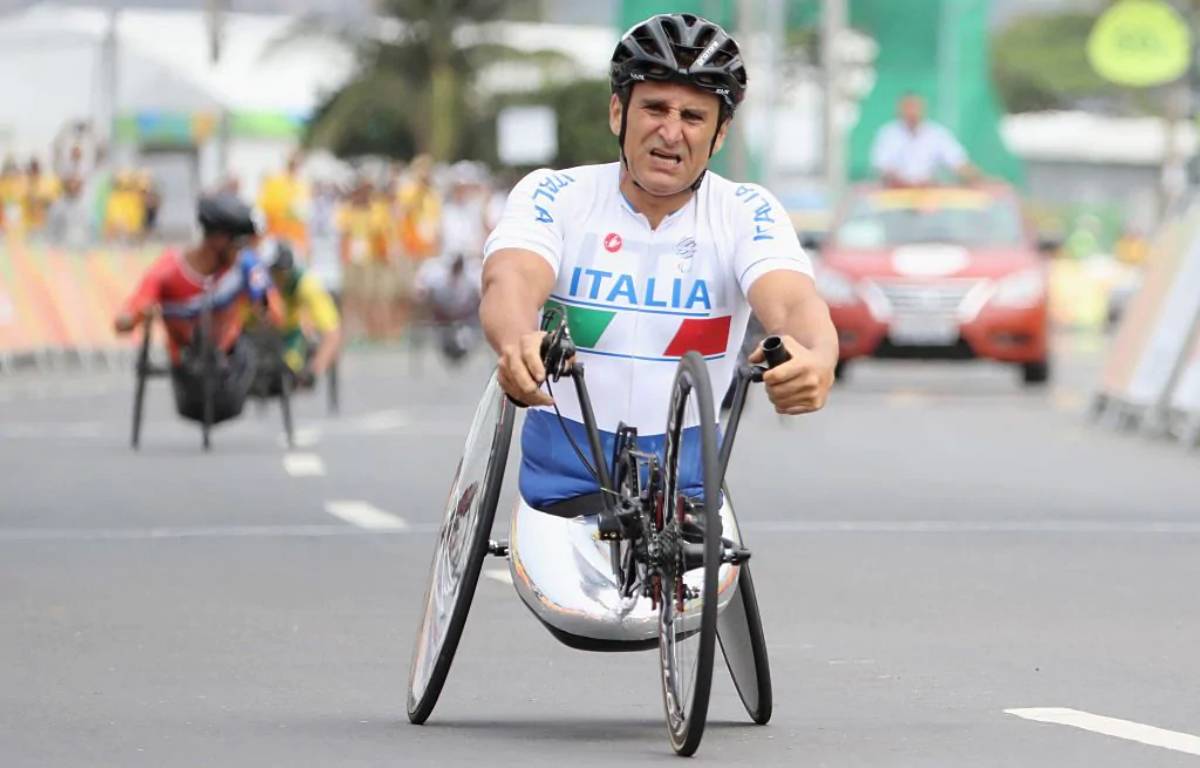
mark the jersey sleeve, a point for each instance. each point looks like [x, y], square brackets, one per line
[950, 152]
[318, 304]
[149, 290]
[254, 276]
[764, 238]
[533, 217]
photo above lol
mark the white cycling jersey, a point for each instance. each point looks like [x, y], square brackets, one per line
[637, 299]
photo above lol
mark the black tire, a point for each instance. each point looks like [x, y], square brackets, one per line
[139, 391]
[332, 403]
[208, 388]
[1035, 373]
[841, 369]
[285, 403]
[744, 646]
[458, 555]
[686, 691]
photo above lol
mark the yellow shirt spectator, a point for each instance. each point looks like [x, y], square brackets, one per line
[40, 193]
[125, 214]
[420, 214]
[364, 233]
[283, 199]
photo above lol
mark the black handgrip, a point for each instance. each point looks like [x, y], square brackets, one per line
[774, 351]
[552, 358]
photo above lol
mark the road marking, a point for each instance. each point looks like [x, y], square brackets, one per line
[202, 532]
[500, 575]
[304, 437]
[365, 515]
[1111, 726]
[971, 526]
[303, 464]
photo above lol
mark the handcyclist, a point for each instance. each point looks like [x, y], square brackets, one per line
[311, 326]
[650, 257]
[220, 271]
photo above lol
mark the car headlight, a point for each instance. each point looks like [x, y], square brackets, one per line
[1024, 289]
[835, 288]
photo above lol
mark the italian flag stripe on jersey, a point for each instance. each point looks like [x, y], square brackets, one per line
[708, 336]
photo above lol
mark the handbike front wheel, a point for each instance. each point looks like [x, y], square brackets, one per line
[462, 544]
[691, 540]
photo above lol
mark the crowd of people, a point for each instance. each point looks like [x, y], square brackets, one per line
[387, 242]
[77, 201]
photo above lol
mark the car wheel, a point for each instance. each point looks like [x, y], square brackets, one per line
[1037, 372]
[839, 371]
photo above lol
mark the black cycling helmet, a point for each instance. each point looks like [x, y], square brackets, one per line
[682, 48]
[279, 255]
[224, 213]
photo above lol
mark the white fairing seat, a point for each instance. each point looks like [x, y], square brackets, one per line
[564, 575]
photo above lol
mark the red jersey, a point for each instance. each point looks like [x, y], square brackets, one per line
[179, 292]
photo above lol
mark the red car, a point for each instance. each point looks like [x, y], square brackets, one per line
[939, 272]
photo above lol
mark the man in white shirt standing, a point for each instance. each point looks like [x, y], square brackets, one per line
[910, 151]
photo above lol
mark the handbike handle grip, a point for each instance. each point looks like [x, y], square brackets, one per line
[774, 351]
[554, 351]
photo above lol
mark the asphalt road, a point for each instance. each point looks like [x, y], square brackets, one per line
[937, 547]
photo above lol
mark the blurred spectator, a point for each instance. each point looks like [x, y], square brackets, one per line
[464, 212]
[41, 190]
[151, 201]
[125, 215]
[12, 193]
[418, 209]
[363, 228]
[324, 257]
[911, 151]
[283, 199]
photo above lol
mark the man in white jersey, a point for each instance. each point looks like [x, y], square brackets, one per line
[911, 151]
[650, 257]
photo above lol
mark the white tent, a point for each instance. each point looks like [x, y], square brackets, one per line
[51, 68]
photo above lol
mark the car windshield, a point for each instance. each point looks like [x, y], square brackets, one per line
[958, 216]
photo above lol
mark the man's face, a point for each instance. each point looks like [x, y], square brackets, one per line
[912, 110]
[227, 247]
[668, 133]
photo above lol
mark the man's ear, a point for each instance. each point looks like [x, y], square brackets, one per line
[721, 133]
[614, 115]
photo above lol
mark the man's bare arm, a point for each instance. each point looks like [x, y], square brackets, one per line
[516, 283]
[787, 305]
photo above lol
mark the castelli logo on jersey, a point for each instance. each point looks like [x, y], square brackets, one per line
[612, 242]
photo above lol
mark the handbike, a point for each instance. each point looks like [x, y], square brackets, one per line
[655, 560]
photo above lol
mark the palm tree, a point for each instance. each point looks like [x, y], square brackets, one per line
[414, 89]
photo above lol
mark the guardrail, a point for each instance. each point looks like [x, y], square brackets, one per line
[57, 306]
[1151, 380]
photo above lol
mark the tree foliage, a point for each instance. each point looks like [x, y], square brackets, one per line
[414, 88]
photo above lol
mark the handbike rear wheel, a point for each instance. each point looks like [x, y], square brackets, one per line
[461, 546]
[687, 618]
[143, 373]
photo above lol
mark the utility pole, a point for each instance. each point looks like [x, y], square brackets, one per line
[833, 24]
[106, 112]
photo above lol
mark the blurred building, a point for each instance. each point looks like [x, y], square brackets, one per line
[149, 75]
[1100, 162]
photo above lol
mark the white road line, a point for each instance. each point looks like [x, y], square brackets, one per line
[304, 437]
[303, 465]
[365, 515]
[200, 532]
[971, 526]
[500, 575]
[1111, 726]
